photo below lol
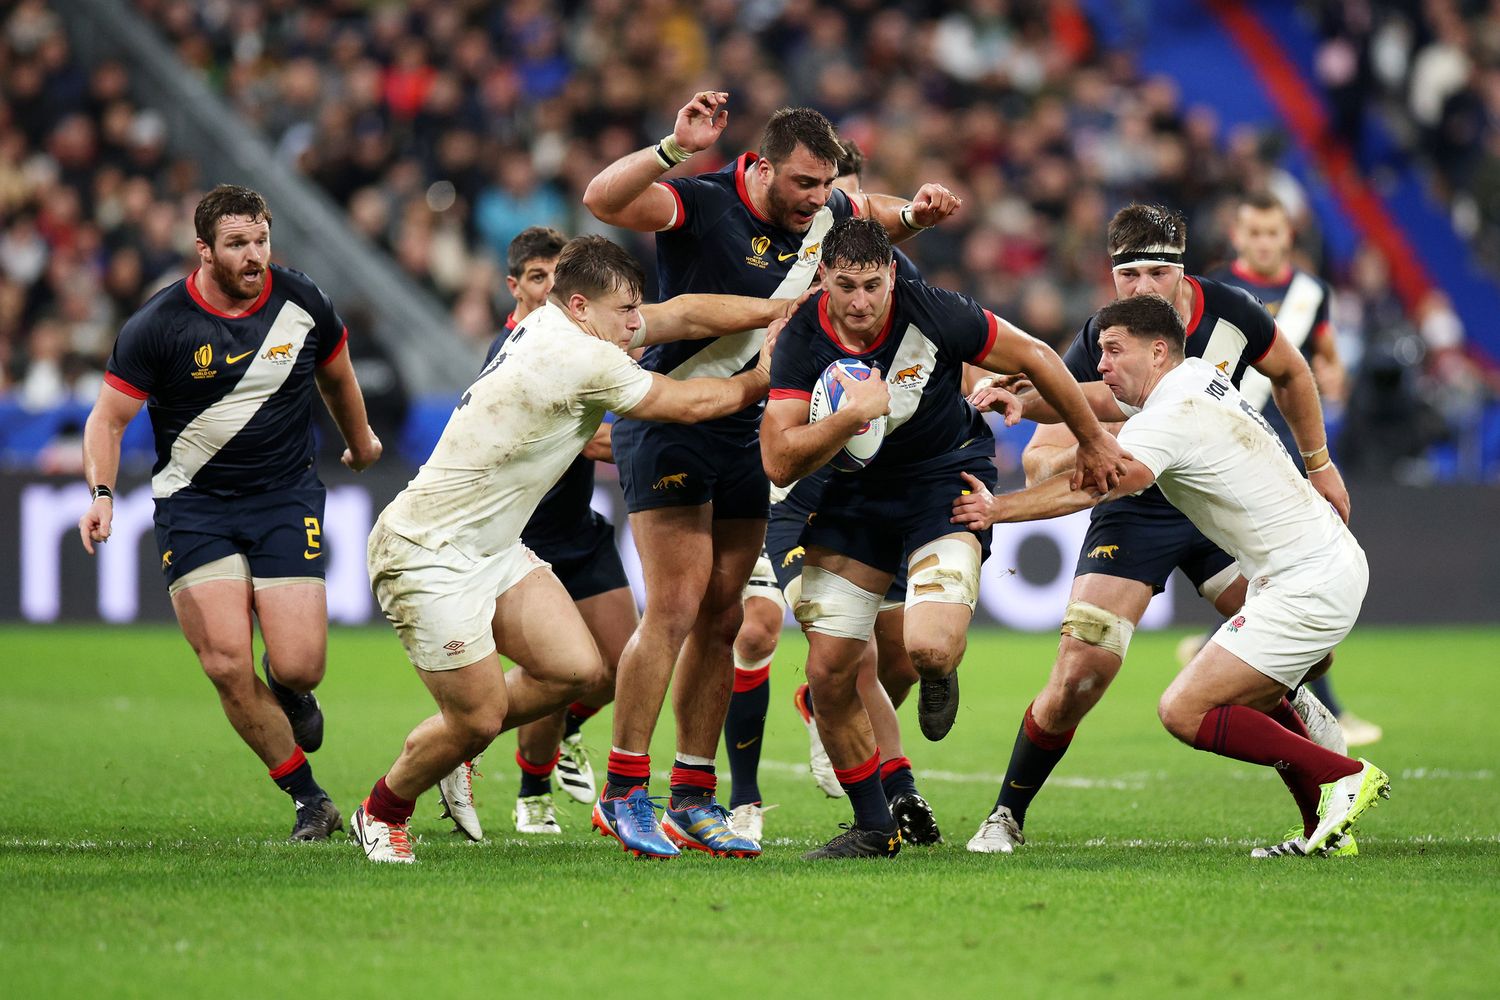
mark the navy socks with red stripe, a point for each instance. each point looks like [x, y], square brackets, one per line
[862, 785]
[693, 782]
[1032, 759]
[536, 779]
[744, 727]
[578, 714]
[294, 776]
[896, 778]
[626, 771]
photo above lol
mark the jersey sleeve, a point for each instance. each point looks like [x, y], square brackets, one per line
[692, 195]
[133, 365]
[965, 330]
[842, 205]
[1256, 323]
[1079, 358]
[1158, 438]
[617, 382]
[794, 370]
[333, 335]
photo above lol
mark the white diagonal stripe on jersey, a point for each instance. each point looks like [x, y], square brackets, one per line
[1294, 321]
[727, 355]
[914, 349]
[212, 429]
[1226, 343]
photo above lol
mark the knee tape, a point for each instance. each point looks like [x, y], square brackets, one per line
[1093, 625]
[1219, 582]
[946, 572]
[230, 567]
[831, 605]
[762, 583]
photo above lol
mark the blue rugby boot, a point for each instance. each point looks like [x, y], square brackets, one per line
[631, 820]
[703, 825]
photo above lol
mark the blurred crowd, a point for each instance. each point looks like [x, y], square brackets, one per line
[444, 127]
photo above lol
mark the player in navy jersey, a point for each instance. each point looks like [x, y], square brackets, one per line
[228, 361]
[1133, 544]
[886, 674]
[698, 496]
[579, 542]
[1263, 239]
[916, 339]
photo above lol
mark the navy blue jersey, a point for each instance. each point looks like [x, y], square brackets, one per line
[1229, 329]
[564, 512]
[720, 243]
[928, 336]
[1307, 316]
[230, 397]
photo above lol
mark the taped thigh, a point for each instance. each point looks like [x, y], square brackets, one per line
[945, 571]
[833, 606]
[230, 567]
[1096, 626]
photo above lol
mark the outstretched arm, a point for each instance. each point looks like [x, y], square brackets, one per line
[904, 218]
[976, 508]
[626, 194]
[695, 317]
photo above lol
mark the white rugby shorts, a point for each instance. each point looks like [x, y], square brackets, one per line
[1291, 622]
[442, 602]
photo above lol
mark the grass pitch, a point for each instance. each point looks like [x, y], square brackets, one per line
[140, 850]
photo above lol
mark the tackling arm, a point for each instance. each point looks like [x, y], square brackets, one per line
[978, 509]
[696, 317]
[346, 404]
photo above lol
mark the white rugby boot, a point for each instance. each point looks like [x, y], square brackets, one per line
[998, 834]
[384, 842]
[1345, 800]
[818, 762]
[574, 772]
[1321, 725]
[748, 820]
[535, 814]
[456, 792]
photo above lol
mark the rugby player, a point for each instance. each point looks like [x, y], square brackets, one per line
[698, 496]
[1217, 461]
[885, 673]
[226, 361]
[1263, 238]
[579, 543]
[1133, 545]
[446, 559]
[896, 509]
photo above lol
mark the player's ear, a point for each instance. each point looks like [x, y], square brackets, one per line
[578, 306]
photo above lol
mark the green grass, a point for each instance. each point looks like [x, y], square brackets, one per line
[140, 853]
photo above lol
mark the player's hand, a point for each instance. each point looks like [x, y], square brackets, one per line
[769, 347]
[975, 507]
[1099, 464]
[993, 399]
[369, 453]
[702, 120]
[932, 204]
[96, 524]
[792, 305]
[1330, 486]
[868, 398]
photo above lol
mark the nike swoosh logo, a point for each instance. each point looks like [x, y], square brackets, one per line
[784, 256]
[230, 359]
[1023, 788]
[310, 555]
[741, 746]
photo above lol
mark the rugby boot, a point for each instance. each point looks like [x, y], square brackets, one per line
[855, 842]
[1295, 846]
[937, 706]
[998, 834]
[301, 710]
[1345, 800]
[631, 820]
[316, 820]
[822, 767]
[573, 772]
[384, 842]
[918, 826]
[456, 793]
[703, 825]
[535, 814]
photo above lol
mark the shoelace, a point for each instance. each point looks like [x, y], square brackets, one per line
[400, 839]
[575, 754]
[642, 810]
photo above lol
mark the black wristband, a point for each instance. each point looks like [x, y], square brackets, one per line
[103, 492]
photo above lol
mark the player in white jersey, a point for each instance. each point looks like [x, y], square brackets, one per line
[1217, 461]
[446, 559]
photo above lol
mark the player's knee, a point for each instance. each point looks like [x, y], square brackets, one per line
[1319, 669]
[755, 642]
[299, 675]
[933, 660]
[1178, 717]
[229, 671]
[832, 680]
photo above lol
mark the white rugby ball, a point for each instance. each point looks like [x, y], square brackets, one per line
[828, 396]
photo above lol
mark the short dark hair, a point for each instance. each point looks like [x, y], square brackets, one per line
[793, 127]
[1139, 227]
[853, 159]
[857, 243]
[228, 199]
[592, 266]
[1263, 201]
[1148, 317]
[533, 243]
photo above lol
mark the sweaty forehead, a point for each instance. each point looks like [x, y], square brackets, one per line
[802, 163]
[855, 272]
[242, 225]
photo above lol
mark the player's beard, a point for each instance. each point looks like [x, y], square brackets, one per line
[232, 284]
[783, 212]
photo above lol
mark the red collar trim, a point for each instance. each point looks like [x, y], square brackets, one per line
[1192, 326]
[740, 166]
[197, 296]
[1245, 274]
[827, 325]
[510, 321]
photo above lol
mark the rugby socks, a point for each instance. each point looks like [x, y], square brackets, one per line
[862, 785]
[1254, 737]
[578, 714]
[744, 727]
[693, 781]
[1032, 759]
[388, 807]
[536, 779]
[294, 776]
[896, 778]
[1305, 793]
[1323, 688]
[626, 771]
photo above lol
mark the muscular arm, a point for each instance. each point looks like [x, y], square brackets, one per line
[339, 388]
[1296, 396]
[1053, 497]
[932, 204]
[101, 457]
[693, 400]
[625, 193]
[791, 448]
[695, 317]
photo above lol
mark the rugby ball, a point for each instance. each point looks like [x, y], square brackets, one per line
[827, 396]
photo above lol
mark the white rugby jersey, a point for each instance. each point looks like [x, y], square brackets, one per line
[525, 418]
[1218, 461]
